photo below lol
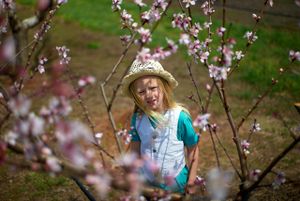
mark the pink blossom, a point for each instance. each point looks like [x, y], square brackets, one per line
[171, 45]
[206, 25]
[19, 105]
[151, 165]
[184, 39]
[127, 19]
[254, 174]
[125, 39]
[251, 37]
[255, 127]
[144, 55]
[227, 56]
[294, 55]
[297, 2]
[139, 3]
[279, 180]
[8, 4]
[131, 161]
[3, 26]
[238, 55]
[207, 9]
[101, 182]
[63, 54]
[43, 4]
[60, 2]
[11, 137]
[203, 56]
[200, 181]
[221, 31]
[218, 73]
[36, 124]
[169, 180]
[98, 137]
[271, 3]
[160, 4]
[231, 41]
[160, 54]
[86, 80]
[145, 35]
[180, 21]
[201, 121]
[245, 146]
[208, 87]
[9, 49]
[53, 164]
[60, 106]
[44, 29]
[194, 47]
[125, 136]
[116, 5]
[195, 29]
[189, 3]
[256, 17]
[69, 134]
[41, 67]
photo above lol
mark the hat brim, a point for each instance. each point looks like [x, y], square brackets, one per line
[130, 78]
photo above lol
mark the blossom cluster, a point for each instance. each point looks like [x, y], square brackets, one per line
[63, 54]
[125, 135]
[158, 53]
[41, 65]
[201, 121]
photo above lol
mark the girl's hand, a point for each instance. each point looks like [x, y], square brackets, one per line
[190, 189]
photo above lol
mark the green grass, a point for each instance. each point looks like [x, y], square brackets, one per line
[266, 55]
[42, 182]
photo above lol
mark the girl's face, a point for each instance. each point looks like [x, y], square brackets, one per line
[149, 92]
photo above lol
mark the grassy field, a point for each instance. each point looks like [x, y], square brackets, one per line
[91, 31]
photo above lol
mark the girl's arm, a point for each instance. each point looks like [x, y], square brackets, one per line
[193, 159]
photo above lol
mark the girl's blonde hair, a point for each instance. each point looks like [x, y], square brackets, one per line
[168, 98]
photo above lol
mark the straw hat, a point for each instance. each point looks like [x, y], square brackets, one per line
[150, 67]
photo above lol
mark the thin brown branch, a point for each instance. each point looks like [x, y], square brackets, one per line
[248, 44]
[236, 139]
[214, 146]
[111, 118]
[42, 31]
[196, 87]
[227, 154]
[119, 60]
[273, 163]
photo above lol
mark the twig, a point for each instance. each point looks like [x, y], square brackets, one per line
[248, 44]
[236, 139]
[42, 31]
[196, 86]
[111, 118]
[260, 98]
[273, 163]
[227, 154]
[84, 109]
[214, 146]
[251, 131]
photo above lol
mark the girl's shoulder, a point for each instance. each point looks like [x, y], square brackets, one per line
[183, 111]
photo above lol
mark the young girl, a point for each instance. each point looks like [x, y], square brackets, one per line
[161, 128]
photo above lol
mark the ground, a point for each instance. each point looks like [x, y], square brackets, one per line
[95, 53]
